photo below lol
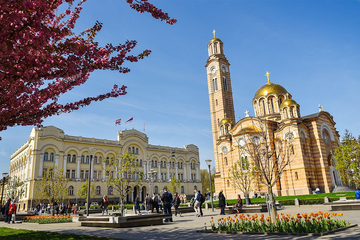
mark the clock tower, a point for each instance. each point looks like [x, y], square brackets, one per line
[220, 92]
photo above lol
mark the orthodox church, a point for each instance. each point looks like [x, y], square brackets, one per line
[313, 137]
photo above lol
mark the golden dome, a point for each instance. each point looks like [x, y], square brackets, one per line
[288, 102]
[215, 39]
[270, 88]
[225, 120]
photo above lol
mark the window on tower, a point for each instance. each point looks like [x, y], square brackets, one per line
[214, 81]
[225, 84]
[216, 102]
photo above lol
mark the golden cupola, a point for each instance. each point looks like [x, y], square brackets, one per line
[225, 126]
[289, 108]
[215, 46]
[268, 98]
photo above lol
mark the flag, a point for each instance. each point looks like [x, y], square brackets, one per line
[129, 120]
[118, 122]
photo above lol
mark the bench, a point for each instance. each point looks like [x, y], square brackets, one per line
[344, 205]
[125, 222]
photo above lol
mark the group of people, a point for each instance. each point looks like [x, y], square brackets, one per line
[10, 211]
[222, 203]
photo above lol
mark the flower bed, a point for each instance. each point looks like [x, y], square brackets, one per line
[301, 223]
[48, 219]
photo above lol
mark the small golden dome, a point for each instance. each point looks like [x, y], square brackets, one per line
[269, 88]
[225, 120]
[288, 101]
[215, 39]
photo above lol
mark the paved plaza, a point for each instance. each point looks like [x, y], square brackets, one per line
[185, 227]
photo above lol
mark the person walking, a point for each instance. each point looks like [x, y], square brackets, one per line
[159, 203]
[222, 202]
[148, 203]
[166, 199]
[12, 212]
[137, 204]
[104, 205]
[176, 202]
[197, 203]
[7, 206]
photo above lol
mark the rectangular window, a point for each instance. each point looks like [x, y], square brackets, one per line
[82, 174]
[72, 173]
[68, 173]
[99, 174]
[95, 175]
[87, 174]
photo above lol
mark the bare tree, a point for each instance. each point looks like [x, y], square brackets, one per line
[269, 152]
[242, 176]
[126, 176]
[52, 186]
[15, 189]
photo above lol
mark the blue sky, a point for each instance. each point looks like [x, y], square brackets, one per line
[312, 48]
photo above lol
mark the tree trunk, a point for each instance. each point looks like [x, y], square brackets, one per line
[247, 199]
[271, 204]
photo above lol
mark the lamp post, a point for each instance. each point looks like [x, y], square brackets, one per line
[91, 151]
[151, 174]
[5, 175]
[208, 162]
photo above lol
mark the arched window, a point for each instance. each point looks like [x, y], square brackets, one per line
[140, 162]
[129, 149]
[95, 160]
[71, 191]
[87, 159]
[137, 151]
[182, 189]
[51, 157]
[214, 82]
[329, 160]
[82, 159]
[156, 190]
[256, 140]
[296, 176]
[326, 136]
[46, 156]
[98, 190]
[271, 103]
[110, 191]
[226, 161]
[74, 158]
[263, 107]
[216, 102]
[133, 150]
[68, 158]
[155, 163]
[225, 84]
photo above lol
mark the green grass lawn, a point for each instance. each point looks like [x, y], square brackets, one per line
[18, 234]
[302, 198]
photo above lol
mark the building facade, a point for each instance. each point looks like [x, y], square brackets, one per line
[50, 146]
[313, 137]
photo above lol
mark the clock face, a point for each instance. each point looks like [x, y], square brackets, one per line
[242, 142]
[289, 136]
[223, 68]
[213, 69]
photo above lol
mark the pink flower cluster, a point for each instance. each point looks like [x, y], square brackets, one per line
[41, 58]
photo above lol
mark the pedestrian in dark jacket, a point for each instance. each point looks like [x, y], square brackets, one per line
[222, 202]
[7, 206]
[137, 204]
[166, 199]
[176, 202]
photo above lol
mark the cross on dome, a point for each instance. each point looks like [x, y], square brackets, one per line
[214, 33]
[267, 75]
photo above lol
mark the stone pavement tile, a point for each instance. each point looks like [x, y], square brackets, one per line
[185, 227]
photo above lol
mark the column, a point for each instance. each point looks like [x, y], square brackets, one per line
[197, 172]
[149, 166]
[140, 194]
[168, 170]
[26, 169]
[103, 172]
[185, 177]
[145, 175]
[116, 171]
[31, 164]
[132, 195]
[41, 165]
[189, 165]
[92, 168]
[57, 161]
[176, 170]
[78, 168]
[159, 172]
[65, 160]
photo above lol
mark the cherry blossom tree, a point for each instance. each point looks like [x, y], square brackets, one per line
[41, 58]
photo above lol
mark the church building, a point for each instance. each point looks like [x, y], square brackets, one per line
[313, 137]
[50, 147]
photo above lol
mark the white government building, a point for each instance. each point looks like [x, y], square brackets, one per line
[50, 146]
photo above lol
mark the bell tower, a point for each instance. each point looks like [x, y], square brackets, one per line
[219, 85]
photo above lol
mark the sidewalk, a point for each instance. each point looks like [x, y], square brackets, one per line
[185, 227]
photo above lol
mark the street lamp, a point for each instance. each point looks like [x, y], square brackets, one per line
[151, 174]
[5, 175]
[208, 162]
[91, 151]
